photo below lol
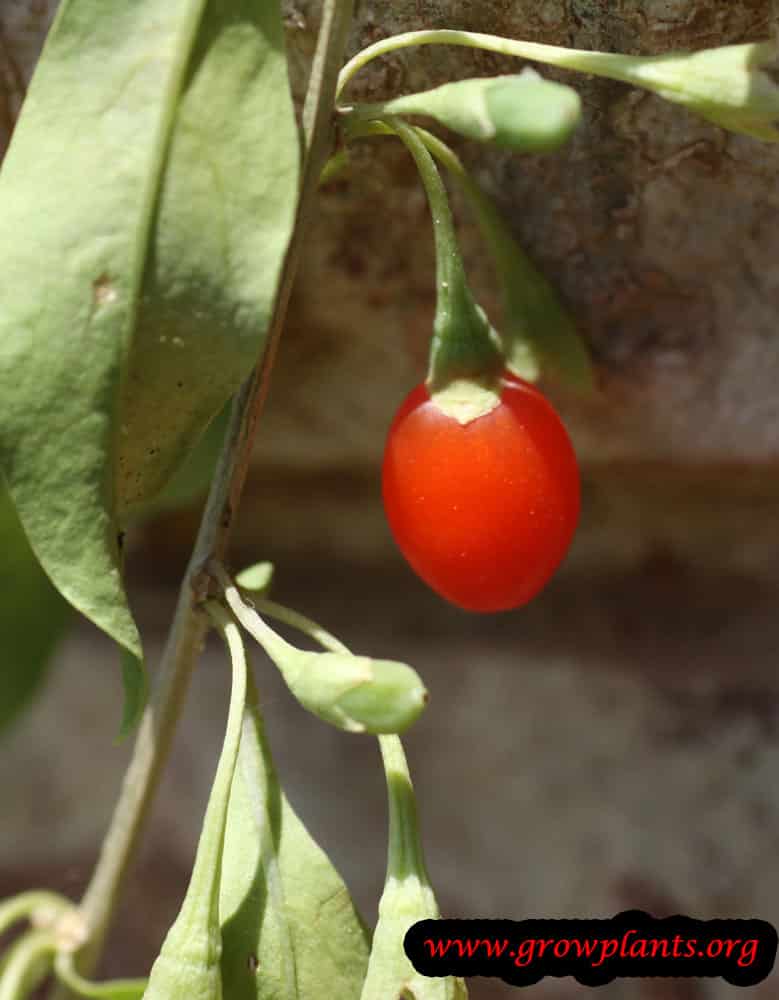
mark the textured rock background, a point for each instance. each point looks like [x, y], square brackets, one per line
[613, 745]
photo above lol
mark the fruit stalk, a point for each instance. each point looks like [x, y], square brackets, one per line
[464, 345]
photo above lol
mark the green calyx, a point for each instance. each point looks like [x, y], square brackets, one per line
[729, 86]
[532, 114]
[464, 343]
[522, 112]
[354, 693]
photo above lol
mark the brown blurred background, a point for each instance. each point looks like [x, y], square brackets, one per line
[613, 745]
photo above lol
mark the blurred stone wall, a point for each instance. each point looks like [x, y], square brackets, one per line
[614, 744]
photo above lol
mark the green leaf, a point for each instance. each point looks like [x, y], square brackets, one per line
[146, 203]
[407, 897]
[522, 112]
[188, 962]
[538, 332]
[70, 284]
[33, 617]
[192, 478]
[289, 928]
[227, 208]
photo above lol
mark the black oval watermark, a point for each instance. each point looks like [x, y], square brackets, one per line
[594, 952]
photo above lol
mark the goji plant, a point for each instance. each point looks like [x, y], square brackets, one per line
[153, 204]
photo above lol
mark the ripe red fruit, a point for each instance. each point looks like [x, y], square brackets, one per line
[485, 511]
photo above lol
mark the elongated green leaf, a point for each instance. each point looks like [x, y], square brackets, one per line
[146, 203]
[33, 616]
[226, 213]
[289, 928]
[536, 324]
[77, 194]
[188, 962]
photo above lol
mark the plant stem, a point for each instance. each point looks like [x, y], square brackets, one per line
[278, 649]
[450, 274]
[188, 630]
[464, 345]
[404, 850]
[28, 963]
[725, 85]
[112, 989]
[609, 64]
[301, 623]
[37, 905]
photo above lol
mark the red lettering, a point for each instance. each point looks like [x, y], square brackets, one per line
[730, 946]
[623, 950]
[750, 949]
[494, 948]
[525, 950]
[586, 948]
[661, 946]
[604, 945]
[638, 948]
[437, 948]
